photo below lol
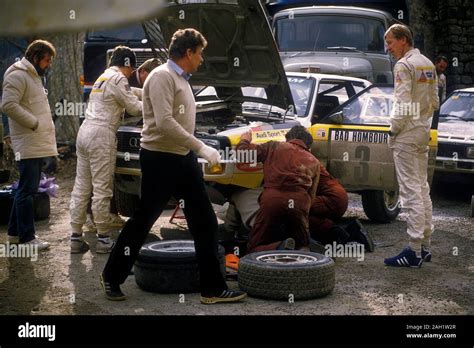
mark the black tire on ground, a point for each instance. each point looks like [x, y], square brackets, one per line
[170, 267]
[381, 206]
[126, 203]
[281, 274]
[42, 206]
[4, 176]
[6, 202]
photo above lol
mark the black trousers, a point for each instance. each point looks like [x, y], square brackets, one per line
[163, 175]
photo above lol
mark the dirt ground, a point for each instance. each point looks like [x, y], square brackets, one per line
[61, 283]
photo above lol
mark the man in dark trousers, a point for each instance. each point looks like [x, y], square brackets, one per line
[291, 175]
[32, 134]
[169, 167]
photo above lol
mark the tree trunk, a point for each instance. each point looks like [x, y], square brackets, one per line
[64, 88]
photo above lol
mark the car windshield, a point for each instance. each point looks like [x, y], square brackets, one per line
[329, 32]
[458, 107]
[373, 107]
[301, 90]
[129, 33]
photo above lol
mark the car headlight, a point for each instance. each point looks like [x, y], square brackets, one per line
[470, 152]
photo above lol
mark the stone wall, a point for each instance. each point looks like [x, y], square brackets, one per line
[447, 28]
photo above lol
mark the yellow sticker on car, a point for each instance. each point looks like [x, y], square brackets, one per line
[271, 134]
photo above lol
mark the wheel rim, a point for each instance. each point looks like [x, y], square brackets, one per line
[173, 247]
[391, 199]
[287, 258]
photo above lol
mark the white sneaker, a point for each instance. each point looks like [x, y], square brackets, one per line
[13, 239]
[41, 245]
[104, 245]
[116, 221]
[90, 224]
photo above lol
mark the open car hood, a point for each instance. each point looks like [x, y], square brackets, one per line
[241, 49]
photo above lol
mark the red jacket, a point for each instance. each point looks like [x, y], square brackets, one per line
[287, 166]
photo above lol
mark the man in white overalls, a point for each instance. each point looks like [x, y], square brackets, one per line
[415, 100]
[96, 149]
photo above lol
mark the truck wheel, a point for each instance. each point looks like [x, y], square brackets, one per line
[281, 274]
[126, 202]
[170, 267]
[381, 206]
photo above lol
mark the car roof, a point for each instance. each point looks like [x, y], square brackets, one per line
[327, 76]
[342, 10]
[469, 89]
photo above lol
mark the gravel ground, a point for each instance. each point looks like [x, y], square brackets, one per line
[61, 283]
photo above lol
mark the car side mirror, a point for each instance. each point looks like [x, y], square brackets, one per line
[337, 117]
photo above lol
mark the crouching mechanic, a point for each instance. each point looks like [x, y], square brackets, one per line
[415, 100]
[291, 175]
[96, 149]
[327, 207]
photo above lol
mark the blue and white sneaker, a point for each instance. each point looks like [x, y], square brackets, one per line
[407, 258]
[425, 254]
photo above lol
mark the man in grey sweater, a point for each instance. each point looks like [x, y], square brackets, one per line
[169, 168]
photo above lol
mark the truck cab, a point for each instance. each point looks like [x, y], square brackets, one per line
[98, 47]
[338, 40]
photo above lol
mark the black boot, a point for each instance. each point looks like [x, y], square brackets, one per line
[358, 233]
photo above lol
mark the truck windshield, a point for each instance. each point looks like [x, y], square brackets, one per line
[326, 32]
[130, 33]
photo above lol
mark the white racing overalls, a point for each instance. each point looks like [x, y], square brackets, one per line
[96, 148]
[415, 100]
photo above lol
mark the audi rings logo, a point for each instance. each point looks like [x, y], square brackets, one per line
[134, 142]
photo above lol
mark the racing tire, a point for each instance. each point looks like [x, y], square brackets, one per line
[381, 206]
[280, 274]
[126, 203]
[170, 267]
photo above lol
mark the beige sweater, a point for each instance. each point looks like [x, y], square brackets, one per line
[169, 113]
[25, 102]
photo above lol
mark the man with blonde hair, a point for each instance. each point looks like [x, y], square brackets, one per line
[415, 100]
[138, 77]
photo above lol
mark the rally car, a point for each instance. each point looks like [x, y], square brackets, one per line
[247, 88]
[455, 159]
